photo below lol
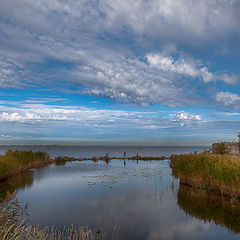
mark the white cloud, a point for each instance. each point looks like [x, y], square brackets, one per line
[167, 63]
[42, 114]
[27, 117]
[31, 113]
[184, 66]
[229, 114]
[20, 119]
[127, 79]
[5, 136]
[227, 98]
[185, 118]
[229, 78]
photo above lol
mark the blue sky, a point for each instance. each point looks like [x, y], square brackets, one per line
[145, 72]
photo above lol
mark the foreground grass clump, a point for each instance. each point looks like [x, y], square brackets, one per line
[16, 161]
[13, 227]
[214, 172]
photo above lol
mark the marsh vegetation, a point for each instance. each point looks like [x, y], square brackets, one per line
[214, 172]
[14, 162]
[89, 192]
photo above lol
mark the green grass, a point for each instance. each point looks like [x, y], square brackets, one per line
[16, 161]
[211, 171]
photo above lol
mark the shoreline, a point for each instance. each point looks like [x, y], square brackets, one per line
[62, 160]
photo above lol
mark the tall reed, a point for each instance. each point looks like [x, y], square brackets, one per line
[219, 173]
[16, 161]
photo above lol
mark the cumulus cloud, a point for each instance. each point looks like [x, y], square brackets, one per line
[185, 118]
[167, 63]
[227, 98]
[185, 66]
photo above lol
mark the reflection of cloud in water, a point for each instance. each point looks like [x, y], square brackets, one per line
[142, 200]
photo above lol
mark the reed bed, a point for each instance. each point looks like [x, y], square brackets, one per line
[13, 226]
[220, 173]
[13, 162]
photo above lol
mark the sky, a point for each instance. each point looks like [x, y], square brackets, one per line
[141, 72]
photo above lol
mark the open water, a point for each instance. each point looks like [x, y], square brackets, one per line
[141, 197]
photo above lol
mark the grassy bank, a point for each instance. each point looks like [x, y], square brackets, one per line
[14, 162]
[220, 173]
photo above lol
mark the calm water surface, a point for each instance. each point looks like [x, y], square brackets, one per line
[142, 198]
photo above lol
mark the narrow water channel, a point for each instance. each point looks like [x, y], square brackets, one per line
[142, 198]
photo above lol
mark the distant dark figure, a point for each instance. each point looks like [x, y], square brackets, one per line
[137, 155]
[98, 234]
[106, 155]
[124, 162]
[124, 154]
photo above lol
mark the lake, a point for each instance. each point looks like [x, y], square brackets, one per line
[141, 197]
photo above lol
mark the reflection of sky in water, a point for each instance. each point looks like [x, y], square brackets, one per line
[140, 198]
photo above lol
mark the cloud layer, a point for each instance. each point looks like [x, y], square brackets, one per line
[84, 46]
[180, 56]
